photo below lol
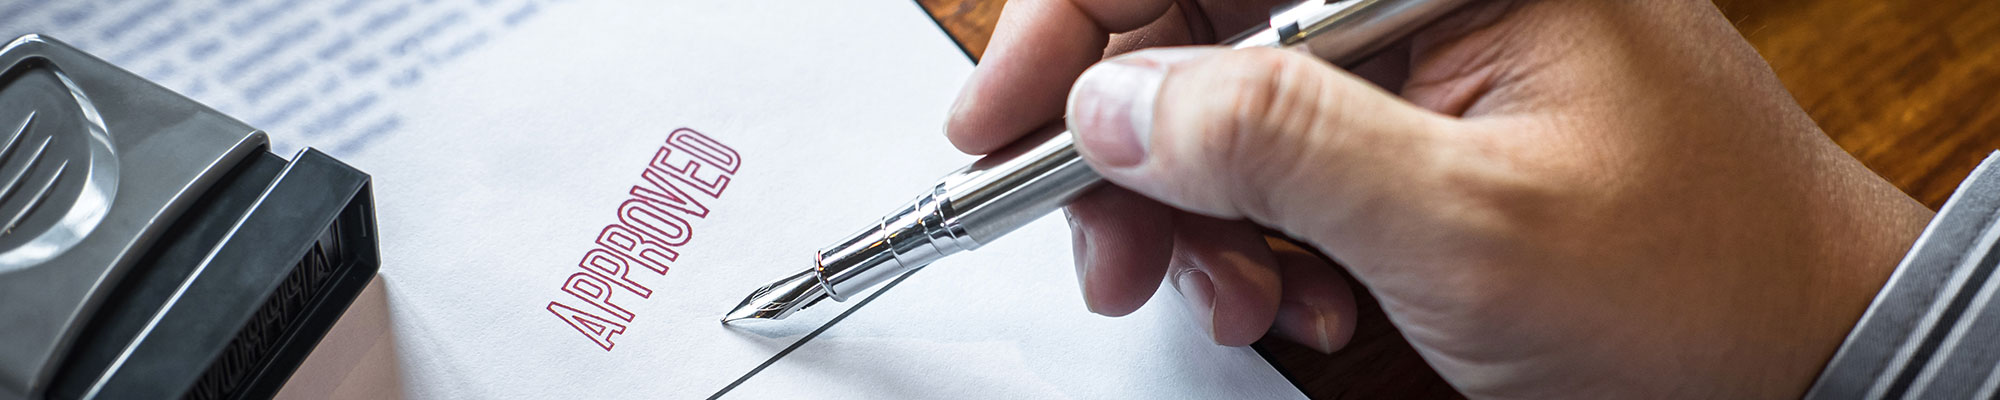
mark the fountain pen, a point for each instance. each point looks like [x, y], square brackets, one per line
[1040, 173]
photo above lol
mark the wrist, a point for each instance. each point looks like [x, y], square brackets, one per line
[1859, 228]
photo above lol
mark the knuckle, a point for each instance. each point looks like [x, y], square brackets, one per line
[1261, 127]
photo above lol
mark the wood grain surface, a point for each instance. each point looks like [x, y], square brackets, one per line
[1911, 88]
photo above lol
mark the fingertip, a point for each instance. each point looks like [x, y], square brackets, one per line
[968, 126]
[1318, 309]
[1037, 49]
[1079, 241]
[973, 144]
[1325, 327]
[1123, 245]
[1240, 317]
[1110, 110]
[1199, 291]
[1306, 325]
[1111, 106]
[1226, 273]
[1344, 317]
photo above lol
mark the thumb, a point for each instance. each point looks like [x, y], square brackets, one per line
[1274, 136]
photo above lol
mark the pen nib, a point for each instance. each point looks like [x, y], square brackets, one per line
[779, 299]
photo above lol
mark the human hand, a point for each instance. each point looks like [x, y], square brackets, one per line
[1560, 197]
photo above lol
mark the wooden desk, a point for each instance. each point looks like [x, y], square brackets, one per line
[1912, 88]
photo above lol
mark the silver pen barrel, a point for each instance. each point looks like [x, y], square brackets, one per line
[1038, 174]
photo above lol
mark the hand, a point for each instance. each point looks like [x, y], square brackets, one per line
[1553, 198]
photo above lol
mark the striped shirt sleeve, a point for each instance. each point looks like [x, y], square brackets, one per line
[1933, 332]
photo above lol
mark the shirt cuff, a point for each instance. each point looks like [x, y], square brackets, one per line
[1931, 332]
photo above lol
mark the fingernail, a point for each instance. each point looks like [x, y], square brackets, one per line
[1306, 325]
[1080, 242]
[1200, 295]
[1111, 107]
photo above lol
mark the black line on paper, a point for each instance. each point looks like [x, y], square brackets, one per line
[809, 336]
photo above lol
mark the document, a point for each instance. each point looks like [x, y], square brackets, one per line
[572, 193]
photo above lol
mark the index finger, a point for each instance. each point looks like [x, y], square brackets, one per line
[1038, 49]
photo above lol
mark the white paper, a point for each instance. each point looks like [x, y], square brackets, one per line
[504, 136]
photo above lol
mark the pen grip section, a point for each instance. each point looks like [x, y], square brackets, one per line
[969, 208]
[898, 243]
